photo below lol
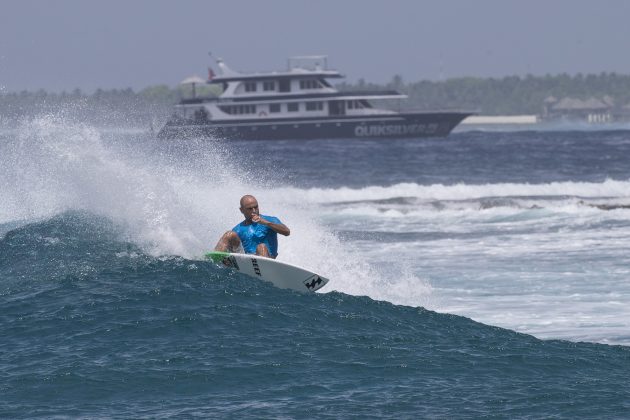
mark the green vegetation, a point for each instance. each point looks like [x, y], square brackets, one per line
[489, 96]
[103, 107]
[507, 96]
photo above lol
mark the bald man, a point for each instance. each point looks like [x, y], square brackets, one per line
[257, 234]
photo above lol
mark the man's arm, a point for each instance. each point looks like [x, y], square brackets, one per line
[276, 227]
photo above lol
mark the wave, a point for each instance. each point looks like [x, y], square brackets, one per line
[53, 166]
[409, 192]
[172, 199]
[410, 203]
[175, 200]
[96, 327]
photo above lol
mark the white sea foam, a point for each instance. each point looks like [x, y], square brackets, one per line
[553, 275]
[608, 188]
[546, 259]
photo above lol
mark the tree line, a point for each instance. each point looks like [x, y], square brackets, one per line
[488, 96]
[102, 107]
[510, 95]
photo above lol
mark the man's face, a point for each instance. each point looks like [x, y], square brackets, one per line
[249, 207]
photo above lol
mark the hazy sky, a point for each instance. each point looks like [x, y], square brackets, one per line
[64, 44]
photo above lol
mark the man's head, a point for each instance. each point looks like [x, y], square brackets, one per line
[249, 206]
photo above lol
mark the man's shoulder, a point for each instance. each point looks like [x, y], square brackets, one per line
[239, 226]
[271, 219]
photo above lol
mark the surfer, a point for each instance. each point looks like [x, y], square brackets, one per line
[257, 234]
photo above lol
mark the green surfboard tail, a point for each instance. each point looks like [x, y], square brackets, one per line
[216, 256]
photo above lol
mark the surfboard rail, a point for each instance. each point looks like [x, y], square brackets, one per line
[280, 274]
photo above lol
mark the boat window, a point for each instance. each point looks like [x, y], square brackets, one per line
[293, 107]
[269, 85]
[274, 107]
[357, 104]
[314, 106]
[250, 86]
[284, 85]
[239, 109]
[309, 84]
[324, 83]
[337, 107]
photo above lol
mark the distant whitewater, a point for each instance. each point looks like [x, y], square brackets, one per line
[479, 275]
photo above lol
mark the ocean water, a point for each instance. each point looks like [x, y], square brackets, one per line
[485, 274]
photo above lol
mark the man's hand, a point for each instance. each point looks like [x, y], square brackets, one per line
[276, 227]
[257, 219]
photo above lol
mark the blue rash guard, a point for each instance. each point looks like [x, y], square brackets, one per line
[254, 234]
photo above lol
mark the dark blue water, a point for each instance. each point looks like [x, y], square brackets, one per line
[468, 157]
[94, 325]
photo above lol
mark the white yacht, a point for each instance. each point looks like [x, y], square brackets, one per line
[298, 103]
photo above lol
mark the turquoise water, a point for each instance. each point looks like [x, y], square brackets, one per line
[458, 289]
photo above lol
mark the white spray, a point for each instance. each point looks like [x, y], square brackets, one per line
[174, 204]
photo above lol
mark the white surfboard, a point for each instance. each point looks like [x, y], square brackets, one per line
[281, 274]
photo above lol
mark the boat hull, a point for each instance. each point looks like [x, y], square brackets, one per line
[410, 125]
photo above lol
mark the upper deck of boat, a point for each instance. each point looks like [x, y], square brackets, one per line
[298, 67]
